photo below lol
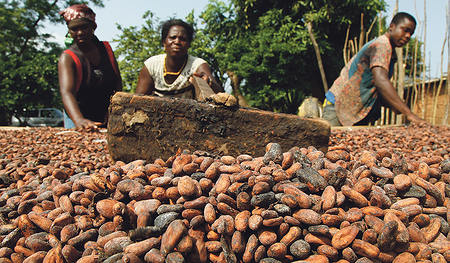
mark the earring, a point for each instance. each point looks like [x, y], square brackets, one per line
[68, 40]
[93, 31]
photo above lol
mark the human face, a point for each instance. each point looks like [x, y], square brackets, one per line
[81, 30]
[177, 42]
[401, 33]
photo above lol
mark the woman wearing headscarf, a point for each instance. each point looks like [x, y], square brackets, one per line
[88, 72]
[169, 74]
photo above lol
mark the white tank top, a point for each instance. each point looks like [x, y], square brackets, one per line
[181, 87]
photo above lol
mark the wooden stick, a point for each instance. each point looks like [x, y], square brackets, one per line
[415, 90]
[202, 89]
[424, 108]
[361, 36]
[370, 29]
[447, 86]
[319, 59]
[346, 59]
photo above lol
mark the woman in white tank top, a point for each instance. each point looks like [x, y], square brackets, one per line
[169, 74]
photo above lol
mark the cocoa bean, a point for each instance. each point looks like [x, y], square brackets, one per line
[81, 199]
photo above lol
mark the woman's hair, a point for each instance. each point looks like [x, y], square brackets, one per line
[176, 22]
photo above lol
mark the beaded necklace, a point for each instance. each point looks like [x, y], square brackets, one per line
[173, 73]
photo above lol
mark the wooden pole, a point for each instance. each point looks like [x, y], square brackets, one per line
[405, 62]
[361, 34]
[346, 55]
[379, 24]
[352, 49]
[370, 29]
[400, 79]
[399, 75]
[423, 59]
[447, 86]
[319, 58]
[441, 79]
[415, 90]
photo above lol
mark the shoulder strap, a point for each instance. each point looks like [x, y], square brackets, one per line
[78, 66]
[111, 56]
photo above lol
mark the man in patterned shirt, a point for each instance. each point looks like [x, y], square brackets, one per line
[363, 85]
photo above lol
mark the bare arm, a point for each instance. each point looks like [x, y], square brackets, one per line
[67, 88]
[204, 72]
[146, 84]
[390, 96]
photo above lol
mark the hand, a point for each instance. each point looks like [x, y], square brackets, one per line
[417, 120]
[203, 76]
[86, 124]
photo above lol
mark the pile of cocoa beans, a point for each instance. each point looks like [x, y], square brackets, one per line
[376, 195]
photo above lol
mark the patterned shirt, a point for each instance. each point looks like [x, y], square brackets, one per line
[354, 92]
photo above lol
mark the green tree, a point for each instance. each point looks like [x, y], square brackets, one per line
[266, 45]
[271, 81]
[135, 45]
[28, 58]
[36, 78]
[409, 51]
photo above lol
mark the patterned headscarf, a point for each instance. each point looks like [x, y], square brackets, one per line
[78, 11]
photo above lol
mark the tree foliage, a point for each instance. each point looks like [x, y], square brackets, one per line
[270, 64]
[266, 43]
[135, 45]
[28, 57]
[411, 56]
[36, 78]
